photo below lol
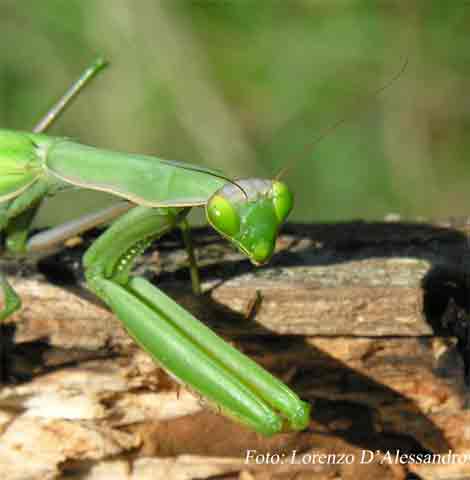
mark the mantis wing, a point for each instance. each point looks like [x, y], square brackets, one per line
[144, 180]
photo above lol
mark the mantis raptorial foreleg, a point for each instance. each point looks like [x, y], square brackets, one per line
[247, 212]
[177, 340]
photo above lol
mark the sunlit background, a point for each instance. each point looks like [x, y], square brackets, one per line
[245, 86]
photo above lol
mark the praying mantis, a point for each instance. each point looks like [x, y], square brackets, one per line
[156, 196]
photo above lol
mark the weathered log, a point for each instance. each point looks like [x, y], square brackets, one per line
[354, 316]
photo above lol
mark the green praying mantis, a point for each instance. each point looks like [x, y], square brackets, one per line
[157, 196]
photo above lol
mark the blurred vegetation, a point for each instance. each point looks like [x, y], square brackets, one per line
[245, 85]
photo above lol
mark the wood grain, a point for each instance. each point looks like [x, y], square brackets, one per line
[351, 315]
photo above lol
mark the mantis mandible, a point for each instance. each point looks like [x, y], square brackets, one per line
[157, 196]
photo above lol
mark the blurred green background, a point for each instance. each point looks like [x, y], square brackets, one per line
[245, 85]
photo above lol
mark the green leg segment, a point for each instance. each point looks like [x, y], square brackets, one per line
[193, 269]
[11, 303]
[17, 231]
[4, 214]
[11, 300]
[16, 217]
[178, 341]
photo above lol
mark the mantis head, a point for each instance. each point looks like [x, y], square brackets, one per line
[249, 214]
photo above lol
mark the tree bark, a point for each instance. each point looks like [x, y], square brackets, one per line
[367, 321]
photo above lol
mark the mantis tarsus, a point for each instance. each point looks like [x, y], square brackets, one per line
[158, 195]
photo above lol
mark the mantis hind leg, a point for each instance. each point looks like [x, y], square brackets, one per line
[174, 338]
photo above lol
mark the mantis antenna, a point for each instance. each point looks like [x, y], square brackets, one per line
[64, 101]
[334, 126]
[195, 168]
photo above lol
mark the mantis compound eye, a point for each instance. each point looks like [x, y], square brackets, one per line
[223, 216]
[283, 200]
